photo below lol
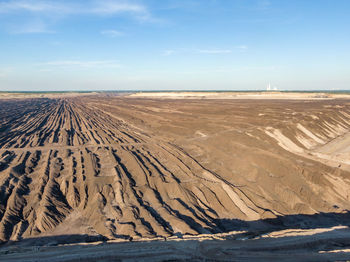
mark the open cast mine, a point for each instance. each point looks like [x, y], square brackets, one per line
[164, 177]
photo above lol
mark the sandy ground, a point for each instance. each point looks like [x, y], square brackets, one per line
[105, 169]
[240, 95]
[329, 244]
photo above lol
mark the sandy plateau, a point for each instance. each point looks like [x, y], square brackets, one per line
[175, 176]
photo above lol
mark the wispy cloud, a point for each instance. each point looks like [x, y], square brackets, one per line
[214, 51]
[117, 7]
[110, 7]
[168, 52]
[35, 26]
[264, 4]
[48, 10]
[4, 72]
[242, 47]
[32, 6]
[83, 64]
[112, 33]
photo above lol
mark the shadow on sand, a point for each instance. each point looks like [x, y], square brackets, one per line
[246, 246]
[257, 227]
[253, 228]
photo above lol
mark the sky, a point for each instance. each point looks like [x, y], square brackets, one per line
[174, 45]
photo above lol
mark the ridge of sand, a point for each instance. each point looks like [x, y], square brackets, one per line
[105, 168]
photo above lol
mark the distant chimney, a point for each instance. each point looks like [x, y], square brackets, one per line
[268, 88]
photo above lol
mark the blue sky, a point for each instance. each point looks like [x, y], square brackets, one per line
[174, 44]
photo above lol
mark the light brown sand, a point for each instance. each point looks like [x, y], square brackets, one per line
[240, 95]
[93, 168]
[289, 245]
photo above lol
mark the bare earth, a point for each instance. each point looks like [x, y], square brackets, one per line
[183, 177]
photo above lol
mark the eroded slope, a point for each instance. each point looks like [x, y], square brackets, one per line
[121, 168]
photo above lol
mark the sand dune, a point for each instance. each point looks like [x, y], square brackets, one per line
[117, 168]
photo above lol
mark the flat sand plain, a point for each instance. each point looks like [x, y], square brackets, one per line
[242, 95]
[195, 179]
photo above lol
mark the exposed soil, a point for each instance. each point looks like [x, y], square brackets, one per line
[106, 168]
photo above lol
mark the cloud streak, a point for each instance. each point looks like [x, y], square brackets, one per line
[49, 10]
[264, 5]
[39, 7]
[214, 51]
[82, 64]
[111, 7]
[31, 27]
[4, 72]
[112, 33]
[168, 52]
[116, 7]
[242, 47]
